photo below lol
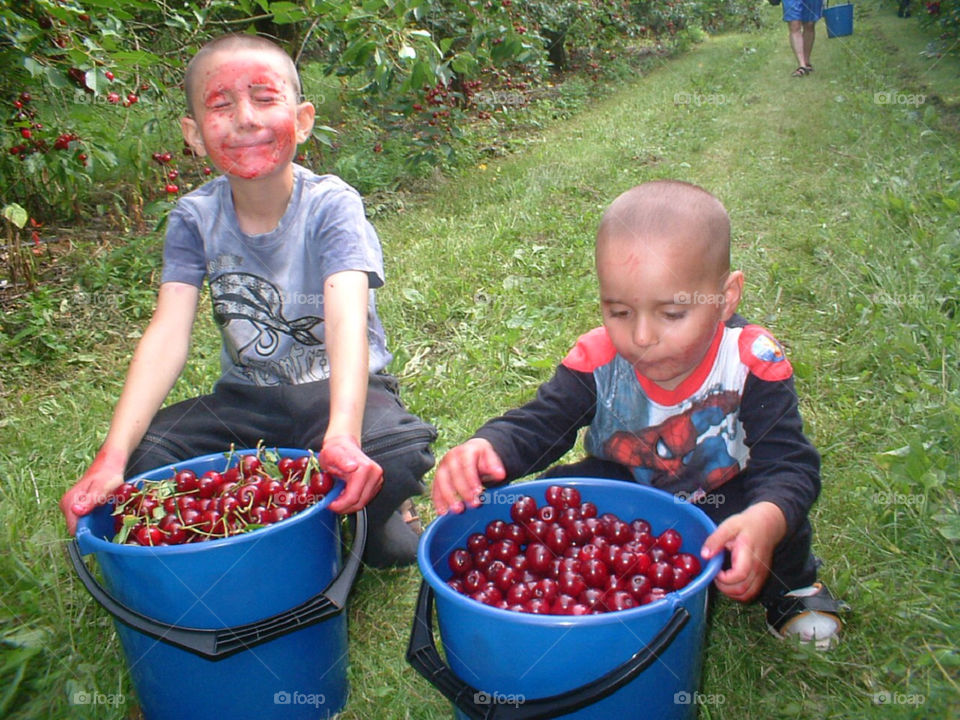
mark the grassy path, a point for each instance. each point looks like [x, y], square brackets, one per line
[844, 214]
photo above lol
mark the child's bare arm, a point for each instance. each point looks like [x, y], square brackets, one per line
[461, 473]
[157, 362]
[345, 310]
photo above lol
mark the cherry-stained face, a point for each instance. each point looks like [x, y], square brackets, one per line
[247, 113]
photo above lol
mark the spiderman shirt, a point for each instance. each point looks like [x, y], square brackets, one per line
[735, 418]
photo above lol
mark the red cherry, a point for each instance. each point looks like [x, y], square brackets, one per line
[171, 189]
[207, 171]
[280, 513]
[557, 540]
[109, 75]
[495, 530]
[477, 542]
[113, 97]
[523, 510]
[594, 572]
[26, 133]
[680, 578]
[321, 483]
[554, 496]
[473, 580]
[483, 558]
[570, 497]
[460, 562]
[670, 540]
[620, 600]
[537, 529]
[688, 562]
[571, 583]
[563, 605]
[132, 98]
[547, 588]
[286, 465]
[538, 557]
[548, 513]
[661, 575]
[639, 585]
[588, 510]
[149, 535]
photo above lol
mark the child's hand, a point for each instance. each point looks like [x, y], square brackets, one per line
[750, 537]
[104, 475]
[341, 456]
[461, 472]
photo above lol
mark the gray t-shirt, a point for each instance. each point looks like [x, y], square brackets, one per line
[267, 289]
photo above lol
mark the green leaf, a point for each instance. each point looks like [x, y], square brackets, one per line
[285, 13]
[949, 524]
[16, 214]
[33, 67]
[407, 53]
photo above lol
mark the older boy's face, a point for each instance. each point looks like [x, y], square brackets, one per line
[660, 308]
[247, 118]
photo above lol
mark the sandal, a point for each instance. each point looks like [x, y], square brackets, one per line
[408, 511]
[809, 614]
[800, 71]
[808, 68]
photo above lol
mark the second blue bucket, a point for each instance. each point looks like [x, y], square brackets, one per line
[248, 626]
[839, 19]
[505, 664]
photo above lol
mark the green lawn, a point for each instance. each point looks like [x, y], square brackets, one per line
[845, 213]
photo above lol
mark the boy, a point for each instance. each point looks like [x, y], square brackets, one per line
[291, 262]
[681, 394]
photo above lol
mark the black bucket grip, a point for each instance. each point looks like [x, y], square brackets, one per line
[215, 644]
[423, 655]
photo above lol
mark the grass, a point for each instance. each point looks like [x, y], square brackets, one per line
[845, 217]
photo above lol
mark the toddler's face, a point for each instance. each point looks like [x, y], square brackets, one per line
[247, 118]
[660, 308]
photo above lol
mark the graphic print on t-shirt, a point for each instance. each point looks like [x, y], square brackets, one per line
[247, 297]
[690, 443]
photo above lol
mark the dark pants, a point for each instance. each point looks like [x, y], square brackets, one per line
[295, 416]
[793, 566]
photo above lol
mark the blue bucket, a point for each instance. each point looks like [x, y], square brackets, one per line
[839, 19]
[505, 664]
[245, 626]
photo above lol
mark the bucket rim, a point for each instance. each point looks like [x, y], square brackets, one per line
[669, 602]
[92, 543]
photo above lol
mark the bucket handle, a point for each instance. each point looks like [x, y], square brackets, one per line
[422, 654]
[215, 644]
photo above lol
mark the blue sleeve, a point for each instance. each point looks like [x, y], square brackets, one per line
[183, 255]
[784, 467]
[345, 239]
[534, 436]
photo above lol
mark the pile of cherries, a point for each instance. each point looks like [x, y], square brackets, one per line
[565, 559]
[258, 490]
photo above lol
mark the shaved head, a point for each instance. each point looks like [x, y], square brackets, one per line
[672, 214]
[233, 43]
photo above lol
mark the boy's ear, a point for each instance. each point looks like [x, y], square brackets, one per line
[305, 117]
[732, 292]
[192, 136]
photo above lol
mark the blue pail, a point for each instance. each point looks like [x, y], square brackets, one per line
[505, 664]
[245, 626]
[839, 19]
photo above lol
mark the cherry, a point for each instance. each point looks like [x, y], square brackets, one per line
[688, 562]
[477, 542]
[661, 574]
[538, 557]
[680, 578]
[594, 572]
[670, 540]
[523, 510]
[557, 540]
[620, 600]
[286, 465]
[321, 483]
[109, 75]
[547, 588]
[537, 529]
[460, 562]
[519, 593]
[473, 580]
[588, 510]
[280, 513]
[554, 496]
[149, 535]
[207, 486]
[495, 529]
[483, 558]
[570, 497]
[113, 97]
[515, 532]
[171, 189]
[504, 549]
[548, 513]
[507, 578]
[639, 585]
[571, 583]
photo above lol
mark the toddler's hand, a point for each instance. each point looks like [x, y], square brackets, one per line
[750, 536]
[342, 457]
[104, 475]
[461, 472]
